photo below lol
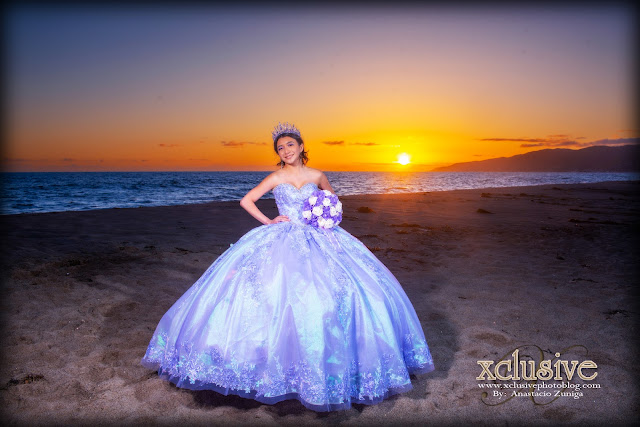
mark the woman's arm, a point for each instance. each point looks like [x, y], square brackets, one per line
[248, 202]
[324, 183]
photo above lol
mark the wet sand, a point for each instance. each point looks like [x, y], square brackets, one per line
[486, 270]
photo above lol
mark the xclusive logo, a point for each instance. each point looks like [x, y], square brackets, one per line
[526, 376]
[527, 368]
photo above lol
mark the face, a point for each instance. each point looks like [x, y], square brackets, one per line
[289, 150]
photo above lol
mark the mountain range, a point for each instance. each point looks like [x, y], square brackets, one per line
[598, 158]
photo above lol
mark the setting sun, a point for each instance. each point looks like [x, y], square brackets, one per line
[404, 158]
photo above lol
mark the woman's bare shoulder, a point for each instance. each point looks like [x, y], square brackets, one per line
[278, 174]
[274, 178]
[315, 173]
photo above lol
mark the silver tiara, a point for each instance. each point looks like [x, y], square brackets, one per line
[284, 128]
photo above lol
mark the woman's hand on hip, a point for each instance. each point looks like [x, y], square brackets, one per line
[279, 218]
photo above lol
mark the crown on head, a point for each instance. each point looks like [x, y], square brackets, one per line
[284, 128]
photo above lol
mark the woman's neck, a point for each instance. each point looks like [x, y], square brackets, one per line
[295, 168]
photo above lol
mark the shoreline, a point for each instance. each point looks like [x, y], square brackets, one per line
[487, 270]
[345, 196]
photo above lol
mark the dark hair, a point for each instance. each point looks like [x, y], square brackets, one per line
[303, 155]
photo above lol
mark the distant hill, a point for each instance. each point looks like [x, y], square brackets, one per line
[599, 158]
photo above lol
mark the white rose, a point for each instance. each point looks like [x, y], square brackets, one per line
[317, 211]
[333, 211]
[313, 200]
[326, 202]
[326, 192]
[321, 222]
[328, 223]
[339, 206]
[306, 214]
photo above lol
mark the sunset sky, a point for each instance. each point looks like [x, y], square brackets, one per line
[175, 87]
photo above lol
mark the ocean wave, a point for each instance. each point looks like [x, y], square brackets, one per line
[54, 192]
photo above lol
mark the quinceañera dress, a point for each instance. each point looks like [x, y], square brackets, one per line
[293, 312]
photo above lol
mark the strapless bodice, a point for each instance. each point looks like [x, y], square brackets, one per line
[290, 199]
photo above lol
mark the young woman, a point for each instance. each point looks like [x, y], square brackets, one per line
[293, 311]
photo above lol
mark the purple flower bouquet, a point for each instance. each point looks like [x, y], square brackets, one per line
[322, 209]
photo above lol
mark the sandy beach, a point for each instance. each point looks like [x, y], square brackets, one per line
[487, 271]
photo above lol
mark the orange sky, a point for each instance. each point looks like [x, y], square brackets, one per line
[202, 89]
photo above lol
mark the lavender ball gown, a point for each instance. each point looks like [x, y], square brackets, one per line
[293, 312]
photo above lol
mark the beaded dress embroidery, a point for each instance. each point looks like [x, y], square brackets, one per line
[293, 312]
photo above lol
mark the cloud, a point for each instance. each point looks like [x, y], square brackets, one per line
[342, 142]
[571, 143]
[617, 141]
[168, 145]
[553, 144]
[231, 144]
[240, 143]
[549, 141]
[563, 140]
[67, 159]
[565, 143]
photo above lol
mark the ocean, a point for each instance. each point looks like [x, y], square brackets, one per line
[30, 192]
